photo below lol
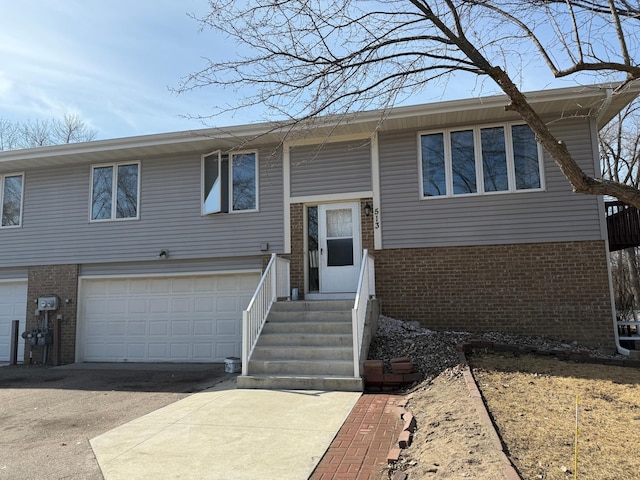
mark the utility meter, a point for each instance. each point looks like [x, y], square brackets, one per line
[48, 303]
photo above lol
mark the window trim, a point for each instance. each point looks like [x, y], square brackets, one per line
[114, 192]
[2, 177]
[477, 145]
[229, 179]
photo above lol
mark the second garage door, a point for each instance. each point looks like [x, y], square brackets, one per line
[163, 319]
[13, 306]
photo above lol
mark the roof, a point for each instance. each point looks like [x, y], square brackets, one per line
[594, 100]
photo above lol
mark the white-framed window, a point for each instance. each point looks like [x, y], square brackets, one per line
[115, 191]
[229, 182]
[11, 197]
[502, 158]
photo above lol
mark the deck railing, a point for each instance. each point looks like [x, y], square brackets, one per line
[623, 225]
[274, 284]
[366, 290]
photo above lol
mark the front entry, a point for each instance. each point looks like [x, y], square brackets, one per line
[340, 247]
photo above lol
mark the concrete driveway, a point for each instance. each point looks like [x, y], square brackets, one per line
[48, 415]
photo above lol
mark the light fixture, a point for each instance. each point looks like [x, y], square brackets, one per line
[367, 209]
[163, 255]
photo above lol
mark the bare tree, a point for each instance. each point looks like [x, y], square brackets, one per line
[39, 133]
[620, 158]
[302, 59]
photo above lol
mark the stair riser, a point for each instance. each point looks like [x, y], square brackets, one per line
[335, 305]
[313, 340]
[309, 316]
[308, 353]
[302, 383]
[308, 328]
[300, 368]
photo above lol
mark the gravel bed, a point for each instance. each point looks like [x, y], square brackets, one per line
[432, 352]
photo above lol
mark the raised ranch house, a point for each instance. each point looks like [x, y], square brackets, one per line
[154, 245]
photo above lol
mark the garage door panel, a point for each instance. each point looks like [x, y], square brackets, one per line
[180, 319]
[227, 304]
[137, 328]
[181, 305]
[180, 327]
[203, 327]
[162, 285]
[136, 351]
[226, 327]
[204, 304]
[180, 351]
[229, 349]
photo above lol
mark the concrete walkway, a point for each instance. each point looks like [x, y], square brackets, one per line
[227, 433]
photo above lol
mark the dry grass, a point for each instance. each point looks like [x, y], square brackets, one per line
[533, 403]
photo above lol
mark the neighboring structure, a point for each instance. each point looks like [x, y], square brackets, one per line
[155, 244]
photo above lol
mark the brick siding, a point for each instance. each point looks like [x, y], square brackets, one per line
[60, 280]
[558, 290]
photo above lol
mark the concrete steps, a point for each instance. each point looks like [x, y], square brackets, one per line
[305, 345]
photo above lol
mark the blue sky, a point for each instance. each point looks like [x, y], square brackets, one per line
[112, 62]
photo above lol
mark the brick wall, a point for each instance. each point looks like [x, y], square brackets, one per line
[297, 256]
[559, 290]
[60, 280]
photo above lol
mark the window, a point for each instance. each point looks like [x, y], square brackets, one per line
[504, 158]
[11, 188]
[114, 191]
[229, 182]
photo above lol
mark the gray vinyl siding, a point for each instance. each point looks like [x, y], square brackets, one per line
[169, 267]
[556, 214]
[56, 227]
[340, 167]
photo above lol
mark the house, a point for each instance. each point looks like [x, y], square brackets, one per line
[154, 245]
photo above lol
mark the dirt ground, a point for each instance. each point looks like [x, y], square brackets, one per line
[48, 415]
[450, 441]
[533, 403]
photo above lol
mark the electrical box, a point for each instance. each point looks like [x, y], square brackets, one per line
[48, 303]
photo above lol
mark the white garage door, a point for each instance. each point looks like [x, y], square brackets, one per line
[13, 306]
[163, 319]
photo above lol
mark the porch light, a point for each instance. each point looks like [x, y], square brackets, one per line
[367, 209]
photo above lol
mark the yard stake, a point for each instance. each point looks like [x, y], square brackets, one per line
[575, 460]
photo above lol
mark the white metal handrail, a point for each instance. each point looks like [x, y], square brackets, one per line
[274, 284]
[366, 290]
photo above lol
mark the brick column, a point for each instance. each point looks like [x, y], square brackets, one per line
[60, 280]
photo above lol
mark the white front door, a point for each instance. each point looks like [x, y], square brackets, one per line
[340, 247]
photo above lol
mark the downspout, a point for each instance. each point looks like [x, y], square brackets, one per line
[603, 224]
[619, 348]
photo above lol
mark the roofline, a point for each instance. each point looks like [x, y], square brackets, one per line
[253, 130]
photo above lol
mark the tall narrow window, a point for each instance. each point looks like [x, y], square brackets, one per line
[494, 159]
[243, 170]
[229, 182]
[433, 171]
[114, 191]
[463, 162]
[525, 158]
[11, 188]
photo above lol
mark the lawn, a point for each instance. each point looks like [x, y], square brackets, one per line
[532, 401]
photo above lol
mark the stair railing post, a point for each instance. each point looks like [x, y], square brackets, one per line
[245, 342]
